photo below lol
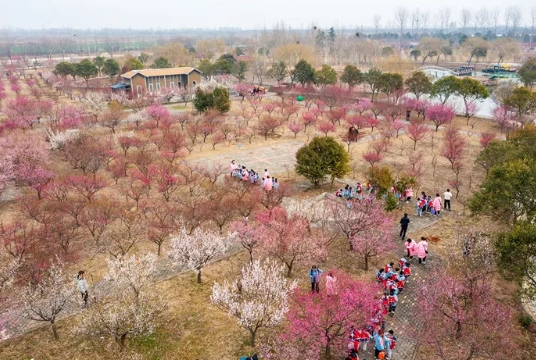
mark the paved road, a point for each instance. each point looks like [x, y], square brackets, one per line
[405, 324]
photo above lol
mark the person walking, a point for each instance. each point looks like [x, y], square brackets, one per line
[411, 247]
[379, 344]
[314, 276]
[392, 344]
[447, 196]
[331, 284]
[437, 204]
[422, 250]
[82, 286]
[404, 223]
[387, 342]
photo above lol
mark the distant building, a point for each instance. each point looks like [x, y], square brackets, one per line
[155, 80]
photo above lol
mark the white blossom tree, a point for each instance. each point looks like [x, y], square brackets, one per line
[197, 249]
[134, 273]
[57, 140]
[131, 307]
[95, 103]
[259, 299]
[47, 299]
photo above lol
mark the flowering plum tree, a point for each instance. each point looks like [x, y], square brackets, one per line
[453, 146]
[157, 112]
[254, 301]
[321, 322]
[362, 216]
[289, 238]
[45, 300]
[197, 249]
[416, 132]
[440, 114]
[132, 309]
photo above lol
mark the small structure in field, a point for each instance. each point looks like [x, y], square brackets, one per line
[155, 80]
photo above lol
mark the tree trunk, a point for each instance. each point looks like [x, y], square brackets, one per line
[199, 276]
[366, 262]
[159, 246]
[290, 266]
[328, 351]
[122, 341]
[54, 329]
[253, 333]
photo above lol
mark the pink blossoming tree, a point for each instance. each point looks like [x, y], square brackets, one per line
[320, 323]
[440, 114]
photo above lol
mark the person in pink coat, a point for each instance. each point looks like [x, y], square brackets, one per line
[411, 247]
[233, 167]
[422, 250]
[331, 284]
[268, 183]
[408, 194]
[437, 204]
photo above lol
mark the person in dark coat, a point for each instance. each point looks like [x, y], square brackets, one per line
[404, 223]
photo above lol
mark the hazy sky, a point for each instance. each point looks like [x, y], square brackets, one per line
[35, 14]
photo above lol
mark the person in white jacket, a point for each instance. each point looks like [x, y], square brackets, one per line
[447, 196]
[82, 286]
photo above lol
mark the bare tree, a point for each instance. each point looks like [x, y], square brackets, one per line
[533, 18]
[476, 21]
[8, 268]
[444, 18]
[465, 18]
[515, 16]
[401, 18]
[44, 301]
[484, 18]
[376, 21]
[507, 18]
[425, 17]
[415, 18]
[494, 16]
[258, 68]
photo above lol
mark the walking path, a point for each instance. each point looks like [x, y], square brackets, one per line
[406, 325]
[404, 322]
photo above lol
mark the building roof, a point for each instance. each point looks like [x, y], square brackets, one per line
[160, 72]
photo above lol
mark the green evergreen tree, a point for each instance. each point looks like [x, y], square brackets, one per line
[352, 76]
[303, 73]
[323, 157]
[86, 69]
[110, 68]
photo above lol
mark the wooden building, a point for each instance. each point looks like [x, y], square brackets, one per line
[155, 80]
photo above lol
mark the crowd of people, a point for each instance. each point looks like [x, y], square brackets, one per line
[359, 193]
[392, 281]
[242, 173]
[392, 278]
[427, 205]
